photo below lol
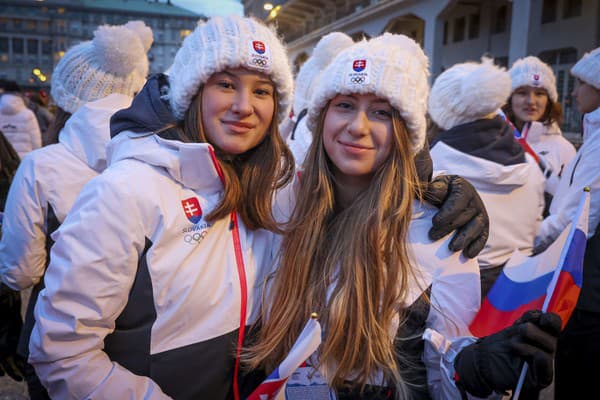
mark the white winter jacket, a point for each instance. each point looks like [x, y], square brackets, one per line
[582, 171]
[552, 147]
[46, 183]
[513, 196]
[19, 124]
[143, 296]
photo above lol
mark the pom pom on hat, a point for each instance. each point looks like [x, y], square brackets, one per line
[229, 42]
[390, 66]
[325, 50]
[531, 71]
[467, 92]
[588, 68]
[112, 62]
[144, 33]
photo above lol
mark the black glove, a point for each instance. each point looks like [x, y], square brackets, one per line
[10, 329]
[493, 363]
[461, 208]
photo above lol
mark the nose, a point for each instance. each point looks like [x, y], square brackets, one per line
[359, 125]
[530, 98]
[242, 104]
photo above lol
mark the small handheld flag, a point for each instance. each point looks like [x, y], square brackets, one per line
[306, 344]
[550, 281]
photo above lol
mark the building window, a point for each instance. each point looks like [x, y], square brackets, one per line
[473, 26]
[566, 55]
[46, 46]
[32, 46]
[572, 8]
[445, 39]
[17, 45]
[18, 24]
[549, 9]
[500, 20]
[30, 24]
[458, 34]
[3, 45]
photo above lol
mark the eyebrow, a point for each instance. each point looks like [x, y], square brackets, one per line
[260, 81]
[377, 100]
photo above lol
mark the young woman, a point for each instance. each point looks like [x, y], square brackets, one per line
[91, 81]
[533, 108]
[356, 249]
[578, 348]
[479, 145]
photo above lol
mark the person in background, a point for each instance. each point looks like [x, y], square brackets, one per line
[578, 346]
[534, 109]
[479, 145]
[93, 80]
[325, 50]
[17, 122]
[356, 251]
[37, 102]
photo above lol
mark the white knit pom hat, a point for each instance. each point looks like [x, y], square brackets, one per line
[114, 61]
[229, 42]
[390, 66]
[588, 68]
[467, 92]
[531, 71]
[325, 50]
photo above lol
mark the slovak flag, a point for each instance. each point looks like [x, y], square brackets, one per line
[306, 344]
[359, 65]
[550, 281]
[192, 209]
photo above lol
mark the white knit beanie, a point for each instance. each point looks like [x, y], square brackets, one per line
[390, 66]
[467, 92]
[588, 68]
[325, 50]
[531, 71]
[114, 61]
[229, 42]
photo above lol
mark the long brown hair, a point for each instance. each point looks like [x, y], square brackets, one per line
[251, 178]
[351, 266]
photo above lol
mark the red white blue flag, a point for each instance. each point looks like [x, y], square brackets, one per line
[192, 209]
[550, 281]
[306, 344]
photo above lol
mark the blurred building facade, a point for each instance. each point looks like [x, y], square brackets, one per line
[451, 31]
[35, 34]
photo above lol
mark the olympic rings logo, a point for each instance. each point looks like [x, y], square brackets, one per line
[195, 238]
[259, 62]
[357, 79]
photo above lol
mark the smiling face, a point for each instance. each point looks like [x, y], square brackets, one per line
[357, 136]
[237, 109]
[587, 97]
[529, 104]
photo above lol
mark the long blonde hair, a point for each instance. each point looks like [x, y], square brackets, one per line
[351, 266]
[252, 178]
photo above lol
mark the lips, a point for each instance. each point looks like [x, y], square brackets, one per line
[239, 126]
[354, 147]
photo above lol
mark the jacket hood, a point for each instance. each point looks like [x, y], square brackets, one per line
[490, 139]
[483, 174]
[87, 131]
[591, 124]
[191, 164]
[149, 110]
[11, 104]
[483, 152]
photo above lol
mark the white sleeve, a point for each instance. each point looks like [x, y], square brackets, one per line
[586, 173]
[93, 265]
[23, 246]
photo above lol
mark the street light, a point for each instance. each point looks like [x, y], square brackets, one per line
[36, 71]
[268, 6]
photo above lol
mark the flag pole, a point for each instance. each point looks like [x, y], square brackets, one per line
[552, 285]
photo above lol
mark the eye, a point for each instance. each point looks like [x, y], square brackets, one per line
[263, 92]
[344, 105]
[225, 84]
[383, 113]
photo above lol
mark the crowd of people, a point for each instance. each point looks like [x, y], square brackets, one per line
[178, 229]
